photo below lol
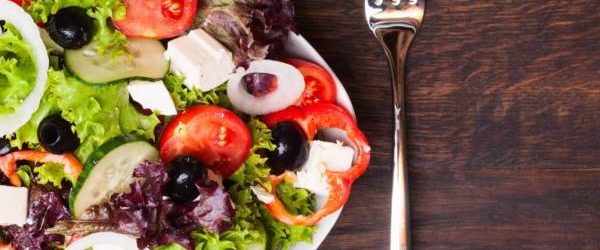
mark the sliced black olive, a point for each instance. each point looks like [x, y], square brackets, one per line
[4, 146]
[55, 135]
[291, 148]
[71, 27]
[184, 172]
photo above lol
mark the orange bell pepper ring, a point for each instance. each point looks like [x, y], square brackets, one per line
[8, 163]
[310, 119]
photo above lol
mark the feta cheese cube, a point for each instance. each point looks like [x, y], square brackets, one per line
[13, 205]
[323, 156]
[153, 96]
[199, 57]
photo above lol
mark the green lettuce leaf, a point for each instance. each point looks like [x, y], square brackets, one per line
[53, 173]
[25, 174]
[250, 212]
[17, 69]
[296, 200]
[184, 97]
[171, 246]
[106, 38]
[98, 112]
[235, 239]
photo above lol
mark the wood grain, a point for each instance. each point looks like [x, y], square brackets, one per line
[503, 123]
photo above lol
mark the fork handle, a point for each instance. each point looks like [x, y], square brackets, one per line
[396, 41]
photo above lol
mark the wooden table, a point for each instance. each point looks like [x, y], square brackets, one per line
[503, 123]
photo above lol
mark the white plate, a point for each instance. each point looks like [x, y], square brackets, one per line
[298, 47]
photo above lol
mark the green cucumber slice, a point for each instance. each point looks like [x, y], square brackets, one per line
[146, 61]
[109, 170]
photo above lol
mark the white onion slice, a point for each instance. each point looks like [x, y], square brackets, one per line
[290, 85]
[105, 241]
[15, 15]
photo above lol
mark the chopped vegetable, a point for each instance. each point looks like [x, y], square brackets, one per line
[320, 86]
[99, 113]
[311, 118]
[252, 29]
[144, 60]
[289, 85]
[184, 97]
[53, 173]
[112, 164]
[46, 208]
[157, 19]
[144, 213]
[214, 135]
[106, 38]
[16, 69]
[8, 163]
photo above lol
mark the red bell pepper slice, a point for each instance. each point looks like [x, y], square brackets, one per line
[6, 247]
[8, 163]
[310, 119]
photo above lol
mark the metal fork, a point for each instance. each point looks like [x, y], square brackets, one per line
[395, 23]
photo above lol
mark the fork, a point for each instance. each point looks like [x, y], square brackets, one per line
[395, 23]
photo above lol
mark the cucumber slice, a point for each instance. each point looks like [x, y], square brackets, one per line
[108, 171]
[145, 61]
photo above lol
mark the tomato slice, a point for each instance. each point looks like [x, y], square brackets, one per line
[214, 135]
[157, 19]
[320, 86]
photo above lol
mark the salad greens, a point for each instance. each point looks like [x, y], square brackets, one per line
[17, 69]
[53, 173]
[184, 97]
[98, 112]
[107, 39]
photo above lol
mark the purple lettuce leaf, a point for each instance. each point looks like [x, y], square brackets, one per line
[252, 29]
[147, 214]
[47, 206]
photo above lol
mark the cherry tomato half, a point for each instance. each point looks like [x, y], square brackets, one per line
[214, 135]
[157, 19]
[320, 86]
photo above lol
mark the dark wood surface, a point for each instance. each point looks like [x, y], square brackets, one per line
[503, 123]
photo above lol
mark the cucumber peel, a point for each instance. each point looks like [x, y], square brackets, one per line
[109, 170]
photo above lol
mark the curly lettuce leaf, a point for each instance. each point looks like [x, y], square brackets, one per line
[296, 200]
[236, 239]
[53, 173]
[171, 246]
[17, 69]
[98, 112]
[184, 97]
[250, 213]
[106, 38]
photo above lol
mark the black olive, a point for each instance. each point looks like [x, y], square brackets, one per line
[71, 27]
[291, 151]
[4, 146]
[184, 172]
[55, 135]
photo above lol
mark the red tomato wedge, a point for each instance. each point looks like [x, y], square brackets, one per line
[157, 19]
[214, 135]
[20, 3]
[320, 86]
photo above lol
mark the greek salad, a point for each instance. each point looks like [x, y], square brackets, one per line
[166, 124]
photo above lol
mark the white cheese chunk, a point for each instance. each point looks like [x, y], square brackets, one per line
[199, 57]
[13, 205]
[153, 96]
[323, 156]
[262, 194]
